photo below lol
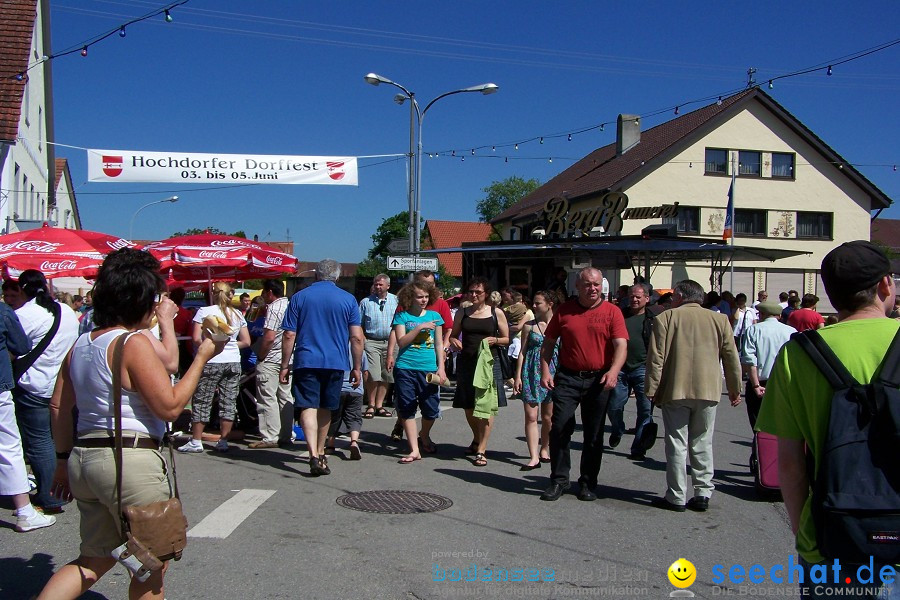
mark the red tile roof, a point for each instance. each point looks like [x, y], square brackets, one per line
[62, 165]
[887, 232]
[602, 170]
[451, 234]
[17, 18]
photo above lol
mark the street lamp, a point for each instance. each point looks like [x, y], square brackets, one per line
[415, 167]
[131, 227]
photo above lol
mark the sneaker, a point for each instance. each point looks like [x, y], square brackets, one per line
[38, 521]
[221, 445]
[192, 446]
[32, 484]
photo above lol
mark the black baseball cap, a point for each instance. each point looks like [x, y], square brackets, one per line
[854, 266]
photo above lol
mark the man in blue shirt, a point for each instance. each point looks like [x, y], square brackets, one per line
[320, 319]
[377, 313]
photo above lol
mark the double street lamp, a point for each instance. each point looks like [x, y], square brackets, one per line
[415, 152]
[131, 227]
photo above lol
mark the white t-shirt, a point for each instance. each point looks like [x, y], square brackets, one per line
[36, 320]
[230, 354]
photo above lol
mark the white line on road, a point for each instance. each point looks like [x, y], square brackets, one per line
[221, 522]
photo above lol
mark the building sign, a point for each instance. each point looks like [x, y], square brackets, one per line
[171, 167]
[609, 214]
[411, 263]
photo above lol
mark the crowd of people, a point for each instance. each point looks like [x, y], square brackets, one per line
[329, 362]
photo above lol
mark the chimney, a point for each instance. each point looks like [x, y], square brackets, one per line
[628, 133]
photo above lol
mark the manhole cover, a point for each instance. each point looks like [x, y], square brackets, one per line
[395, 502]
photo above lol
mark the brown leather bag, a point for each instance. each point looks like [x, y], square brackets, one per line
[155, 532]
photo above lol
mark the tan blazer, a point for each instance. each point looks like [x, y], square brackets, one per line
[684, 353]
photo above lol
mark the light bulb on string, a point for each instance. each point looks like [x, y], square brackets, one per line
[473, 151]
[168, 17]
[122, 31]
[517, 146]
[20, 76]
[719, 101]
[463, 159]
[453, 153]
[601, 126]
[895, 168]
[771, 85]
[84, 51]
[690, 165]
[676, 110]
[570, 137]
[506, 160]
[550, 159]
[542, 140]
[493, 148]
[828, 72]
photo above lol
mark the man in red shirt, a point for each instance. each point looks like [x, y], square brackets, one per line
[806, 316]
[593, 345]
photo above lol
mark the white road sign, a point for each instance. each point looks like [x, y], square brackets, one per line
[411, 263]
[398, 245]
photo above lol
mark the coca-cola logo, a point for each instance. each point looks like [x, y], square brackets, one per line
[226, 243]
[61, 265]
[119, 243]
[209, 254]
[274, 260]
[31, 246]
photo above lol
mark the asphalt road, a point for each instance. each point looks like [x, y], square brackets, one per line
[291, 539]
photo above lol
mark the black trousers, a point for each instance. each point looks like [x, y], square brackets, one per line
[753, 401]
[569, 392]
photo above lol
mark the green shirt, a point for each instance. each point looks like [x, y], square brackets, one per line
[797, 403]
[637, 350]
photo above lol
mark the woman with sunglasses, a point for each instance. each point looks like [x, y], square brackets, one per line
[481, 321]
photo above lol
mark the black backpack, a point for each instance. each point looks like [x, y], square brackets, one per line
[856, 492]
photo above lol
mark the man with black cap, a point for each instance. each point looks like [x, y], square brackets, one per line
[797, 403]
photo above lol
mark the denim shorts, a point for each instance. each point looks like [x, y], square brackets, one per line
[317, 388]
[411, 391]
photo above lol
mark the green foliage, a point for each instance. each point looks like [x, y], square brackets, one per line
[503, 194]
[371, 267]
[213, 230]
[391, 228]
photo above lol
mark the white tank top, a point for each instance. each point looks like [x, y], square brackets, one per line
[92, 379]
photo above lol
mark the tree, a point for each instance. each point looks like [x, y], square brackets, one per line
[503, 194]
[213, 230]
[391, 228]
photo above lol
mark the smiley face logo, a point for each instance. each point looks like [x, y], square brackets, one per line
[682, 573]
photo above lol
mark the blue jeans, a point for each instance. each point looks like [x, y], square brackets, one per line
[628, 381]
[33, 416]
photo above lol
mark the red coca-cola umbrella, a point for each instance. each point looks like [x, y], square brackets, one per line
[211, 257]
[57, 252]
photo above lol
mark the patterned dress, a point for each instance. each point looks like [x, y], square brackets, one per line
[532, 392]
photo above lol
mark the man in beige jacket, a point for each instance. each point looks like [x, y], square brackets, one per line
[684, 380]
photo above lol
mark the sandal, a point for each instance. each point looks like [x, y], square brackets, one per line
[355, 454]
[369, 413]
[383, 412]
[472, 449]
[428, 448]
[480, 460]
[397, 433]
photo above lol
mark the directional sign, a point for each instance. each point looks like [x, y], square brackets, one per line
[411, 263]
[398, 245]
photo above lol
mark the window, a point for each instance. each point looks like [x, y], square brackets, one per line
[814, 225]
[748, 163]
[686, 221]
[782, 165]
[749, 222]
[716, 161]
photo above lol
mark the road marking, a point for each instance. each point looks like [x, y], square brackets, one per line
[221, 522]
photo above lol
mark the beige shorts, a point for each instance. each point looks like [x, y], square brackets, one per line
[92, 479]
[376, 355]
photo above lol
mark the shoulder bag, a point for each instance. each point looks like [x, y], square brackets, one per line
[501, 355]
[155, 532]
[24, 362]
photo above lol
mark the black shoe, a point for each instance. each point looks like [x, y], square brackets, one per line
[585, 494]
[614, 440]
[554, 491]
[316, 468]
[397, 433]
[639, 455]
[663, 503]
[698, 504]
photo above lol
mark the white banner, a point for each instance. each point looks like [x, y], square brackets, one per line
[169, 167]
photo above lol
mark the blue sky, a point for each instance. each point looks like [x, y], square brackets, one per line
[286, 77]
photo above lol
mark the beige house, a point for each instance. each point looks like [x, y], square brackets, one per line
[791, 192]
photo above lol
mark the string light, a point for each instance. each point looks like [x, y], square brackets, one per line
[122, 31]
[506, 160]
[570, 137]
[473, 151]
[453, 153]
[517, 146]
[676, 110]
[542, 140]
[771, 85]
[169, 18]
[550, 159]
[601, 127]
[828, 72]
[84, 51]
[493, 148]
[20, 76]
[719, 101]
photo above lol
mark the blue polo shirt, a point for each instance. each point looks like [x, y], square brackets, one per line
[321, 316]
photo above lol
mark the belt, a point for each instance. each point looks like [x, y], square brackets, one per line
[375, 339]
[582, 374]
[127, 442]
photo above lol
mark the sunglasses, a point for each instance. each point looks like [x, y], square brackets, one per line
[381, 305]
[475, 292]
